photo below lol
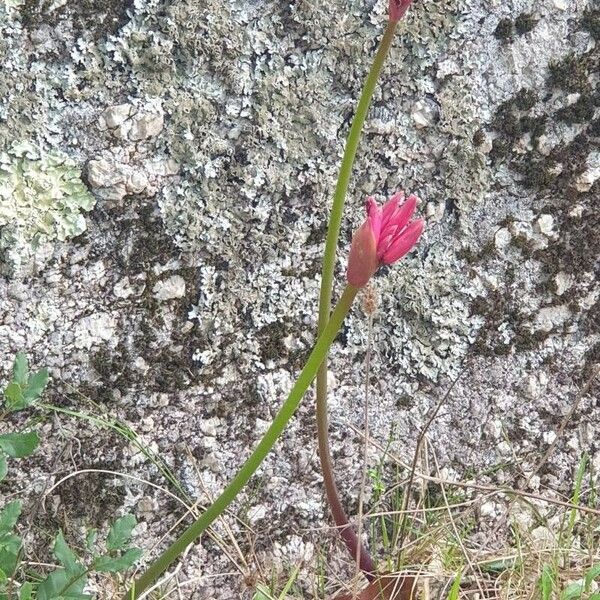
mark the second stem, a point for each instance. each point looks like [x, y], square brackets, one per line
[346, 531]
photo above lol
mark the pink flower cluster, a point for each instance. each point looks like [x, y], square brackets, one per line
[385, 237]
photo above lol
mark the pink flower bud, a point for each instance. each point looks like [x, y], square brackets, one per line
[363, 261]
[385, 237]
[397, 9]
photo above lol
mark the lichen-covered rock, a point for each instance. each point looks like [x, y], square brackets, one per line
[209, 136]
[42, 198]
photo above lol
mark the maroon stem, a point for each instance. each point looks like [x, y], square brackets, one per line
[346, 531]
[338, 513]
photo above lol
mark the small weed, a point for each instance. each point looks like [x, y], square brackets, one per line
[69, 578]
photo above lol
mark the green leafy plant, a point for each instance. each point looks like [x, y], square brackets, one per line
[10, 544]
[68, 580]
[23, 391]
[549, 588]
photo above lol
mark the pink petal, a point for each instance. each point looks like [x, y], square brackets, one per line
[384, 244]
[396, 222]
[375, 216]
[404, 213]
[404, 242]
[390, 207]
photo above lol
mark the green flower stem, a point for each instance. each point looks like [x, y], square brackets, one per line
[306, 377]
[337, 510]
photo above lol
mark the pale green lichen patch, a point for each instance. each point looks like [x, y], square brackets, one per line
[42, 198]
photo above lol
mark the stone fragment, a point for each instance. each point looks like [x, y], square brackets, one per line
[563, 282]
[545, 225]
[137, 182]
[257, 513]
[146, 126]
[424, 114]
[494, 428]
[93, 329]
[543, 539]
[209, 426]
[544, 145]
[102, 174]
[502, 238]
[115, 116]
[435, 211]
[488, 509]
[169, 289]
[535, 385]
[123, 288]
[550, 317]
[521, 229]
[588, 178]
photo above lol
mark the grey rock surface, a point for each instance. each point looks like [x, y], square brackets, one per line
[178, 292]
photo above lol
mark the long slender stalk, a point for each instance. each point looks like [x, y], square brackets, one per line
[306, 377]
[337, 510]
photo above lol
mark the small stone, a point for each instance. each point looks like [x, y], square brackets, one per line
[549, 437]
[209, 426]
[162, 168]
[521, 515]
[502, 238]
[560, 4]
[447, 67]
[208, 442]
[572, 98]
[93, 329]
[543, 538]
[146, 126]
[487, 143]
[504, 448]
[115, 116]
[147, 424]
[424, 114]
[535, 385]
[494, 428]
[102, 174]
[123, 288]
[257, 513]
[576, 211]
[563, 282]
[545, 225]
[435, 211]
[521, 229]
[212, 462]
[544, 145]
[588, 178]
[146, 506]
[488, 509]
[550, 317]
[169, 289]
[137, 182]
[139, 364]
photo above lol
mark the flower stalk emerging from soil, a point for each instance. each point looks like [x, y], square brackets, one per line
[306, 377]
[397, 8]
[329, 325]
